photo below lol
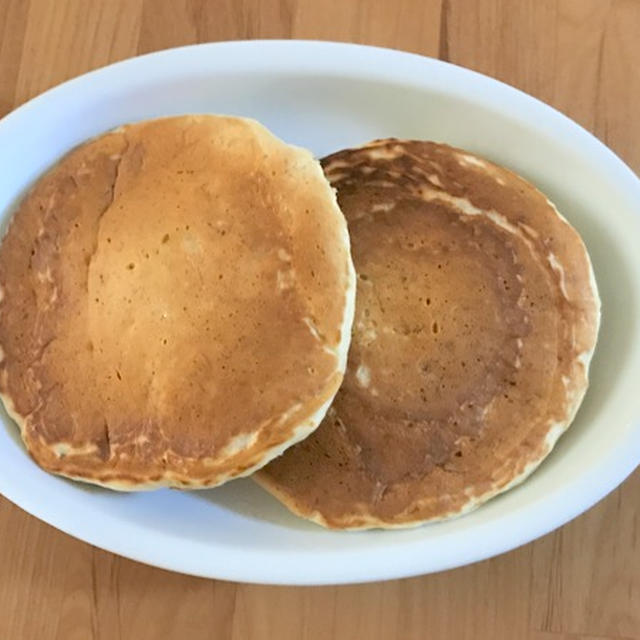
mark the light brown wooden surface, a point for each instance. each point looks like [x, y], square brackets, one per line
[581, 582]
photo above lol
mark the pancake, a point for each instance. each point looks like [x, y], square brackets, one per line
[177, 297]
[476, 318]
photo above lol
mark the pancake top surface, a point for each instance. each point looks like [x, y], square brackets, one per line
[176, 303]
[476, 317]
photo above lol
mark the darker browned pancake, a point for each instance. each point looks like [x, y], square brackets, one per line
[476, 318]
[148, 283]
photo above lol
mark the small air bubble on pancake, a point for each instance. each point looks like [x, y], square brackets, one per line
[61, 449]
[363, 376]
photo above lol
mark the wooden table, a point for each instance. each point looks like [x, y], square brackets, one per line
[581, 582]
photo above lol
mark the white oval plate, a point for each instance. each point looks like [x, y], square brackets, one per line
[327, 96]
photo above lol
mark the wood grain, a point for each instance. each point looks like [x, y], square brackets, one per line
[579, 583]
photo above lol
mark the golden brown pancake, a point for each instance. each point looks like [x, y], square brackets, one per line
[177, 298]
[476, 317]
